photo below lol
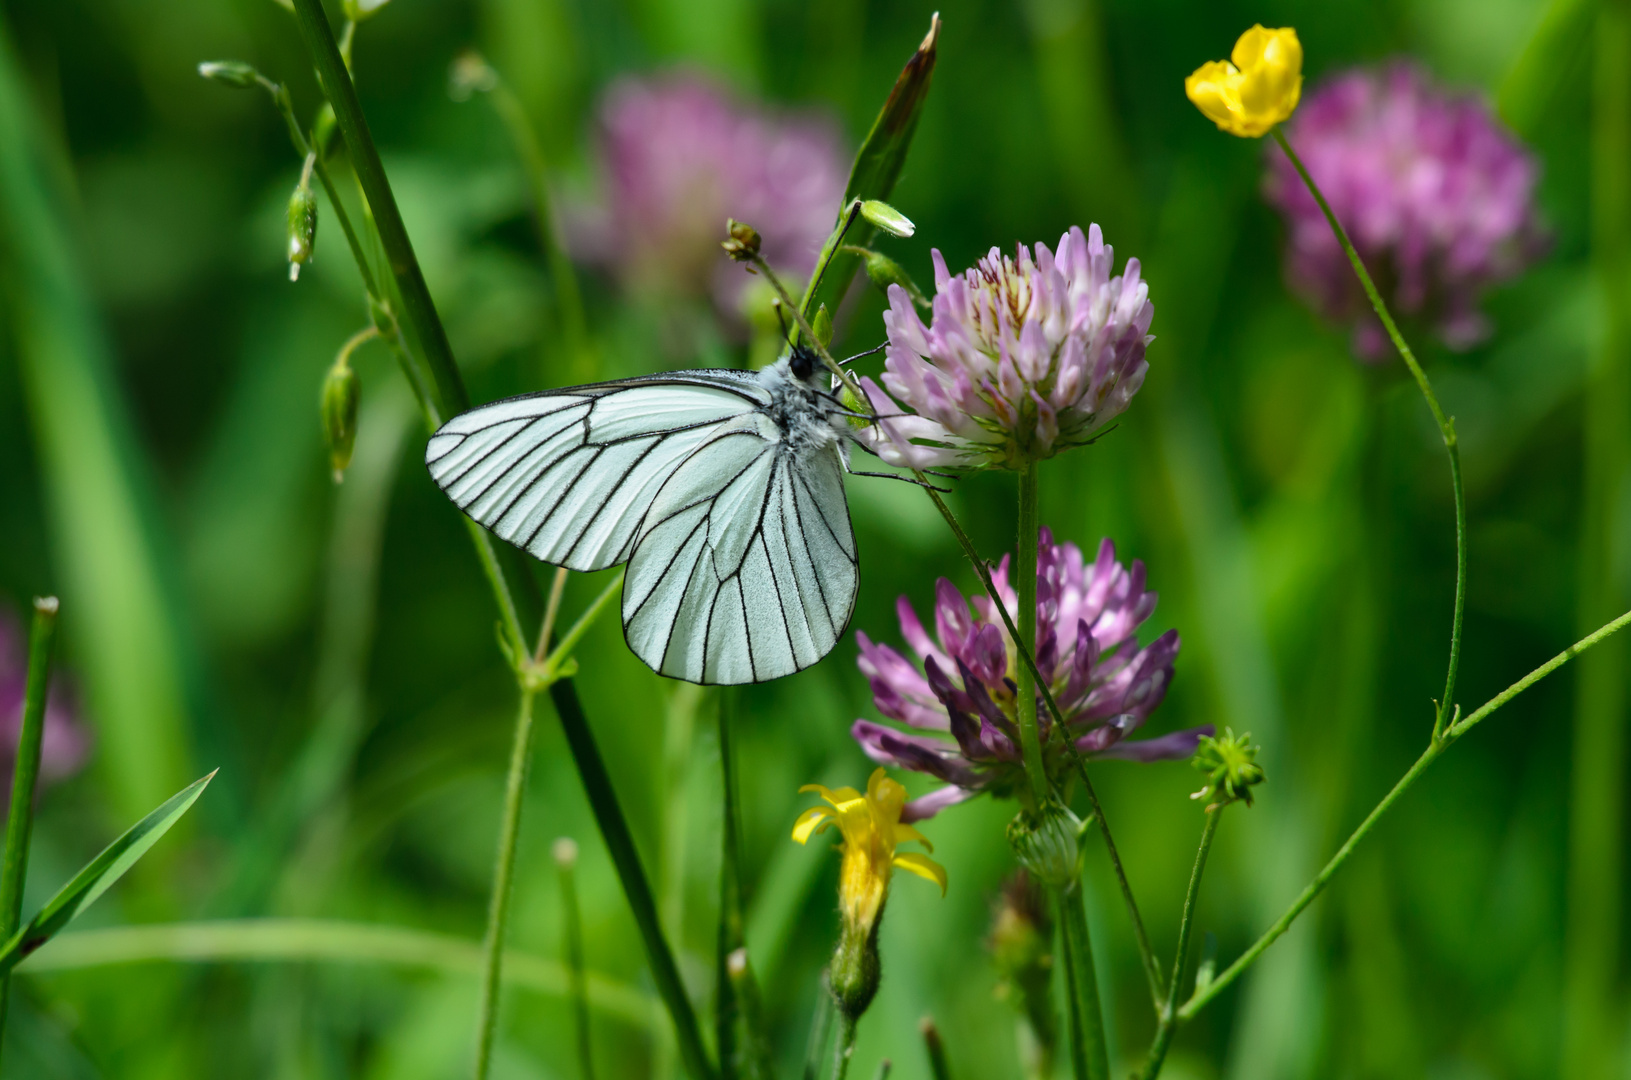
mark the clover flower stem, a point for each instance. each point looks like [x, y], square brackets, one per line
[441, 394]
[728, 1007]
[20, 822]
[1089, 1054]
[1152, 967]
[566, 857]
[498, 908]
[1030, 740]
[1454, 731]
[1168, 1025]
[1446, 427]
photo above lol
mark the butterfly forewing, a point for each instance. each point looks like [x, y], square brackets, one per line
[742, 563]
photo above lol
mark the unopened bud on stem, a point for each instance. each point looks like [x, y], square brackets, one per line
[233, 73]
[744, 242]
[302, 223]
[887, 218]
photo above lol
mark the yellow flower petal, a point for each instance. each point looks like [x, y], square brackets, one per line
[1258, 90]
[814, 820]
[923, 867]
[906, 832]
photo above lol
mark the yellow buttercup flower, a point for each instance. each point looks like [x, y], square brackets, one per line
[872, 829]
[1256, 88]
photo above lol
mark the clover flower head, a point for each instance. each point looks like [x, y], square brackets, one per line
[64, 742]
[1436, 196]
[1026, 355]
[1256, 88]
[678, 156]
[959, 700]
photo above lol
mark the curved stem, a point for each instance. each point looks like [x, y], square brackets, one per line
[1446, 427]
[1168, 1026]
[1434, 749]
[498, 915]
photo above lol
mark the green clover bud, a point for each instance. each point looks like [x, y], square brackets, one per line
[233, 73]
[302, 224]
[883, 272]
[342, 390]
[744, 242]
[1229, 763]
[1048, 844]
[887, 218]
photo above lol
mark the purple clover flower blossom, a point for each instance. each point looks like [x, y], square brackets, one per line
[64, 744]
[1105, 683]
[679, 156]
[1026, 356]
[1437, 198]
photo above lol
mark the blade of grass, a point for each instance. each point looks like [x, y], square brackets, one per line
[99, 875]
[878, 165]
[20, 822]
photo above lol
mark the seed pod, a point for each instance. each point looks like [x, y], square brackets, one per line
[342, 390]
[887, 218]
[302, 223]
[233, 73]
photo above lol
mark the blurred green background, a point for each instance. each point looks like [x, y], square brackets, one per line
[332, 649]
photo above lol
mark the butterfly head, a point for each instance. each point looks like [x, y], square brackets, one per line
[803, 361]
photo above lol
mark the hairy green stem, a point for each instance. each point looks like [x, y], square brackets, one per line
[20, 822]
[498, 912]
[1201, 997]
[1446, 427]
[1030, 739]
[1089, 1053]
[1168, 1024]
[845, 1050]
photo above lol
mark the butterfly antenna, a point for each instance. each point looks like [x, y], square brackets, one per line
[781, 317]
[914, 481]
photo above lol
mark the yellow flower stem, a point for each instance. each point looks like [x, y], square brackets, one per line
[1446, 427]
[1030, 740]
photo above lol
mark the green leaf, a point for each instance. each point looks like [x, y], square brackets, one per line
[99, 875]
[877, 166]
[1555, 52]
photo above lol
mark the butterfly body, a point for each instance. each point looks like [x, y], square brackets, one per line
[722, 490]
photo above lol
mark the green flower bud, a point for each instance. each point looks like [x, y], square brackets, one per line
[743, 245]
[883, 272]
[233, 73]
[887, 218]
[1229, 763]
[341, 392]
[1048, 844]
[302, 223]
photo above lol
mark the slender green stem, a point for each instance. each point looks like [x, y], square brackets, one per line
[1446, 427]
[1460, 728]
[1089, 1053]
[1146, 952]
[845, 1049]
[552, 609]
[815, 1046]
[1030, 739]
[729, 937]
[756, 1055]
[566, 861]
[331, 941]
[450, 396]
[935, 1047]
[20, 822]
[498, 911]
[563, 649]
[1168, 1023]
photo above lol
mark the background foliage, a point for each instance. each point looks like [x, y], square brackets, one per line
[331, 649]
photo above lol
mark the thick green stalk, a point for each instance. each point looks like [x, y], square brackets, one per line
[498, 913]
[1201, 997]
[20, 822]
[1030, 739]
[1089, 1053]
[1168, 1025]
[1593, 1016]
[1446, 427]
[439, 398]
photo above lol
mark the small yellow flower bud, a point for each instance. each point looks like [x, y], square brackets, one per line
[1256, 88]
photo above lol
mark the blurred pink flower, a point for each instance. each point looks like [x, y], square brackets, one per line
[1025, 357]
[679, 155]
[1105, 683]
[64, 744]
[1437, 197]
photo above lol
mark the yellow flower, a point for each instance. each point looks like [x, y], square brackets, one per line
[872, 828]
[1258, 89]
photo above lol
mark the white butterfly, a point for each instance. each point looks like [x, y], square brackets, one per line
[722, 490]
